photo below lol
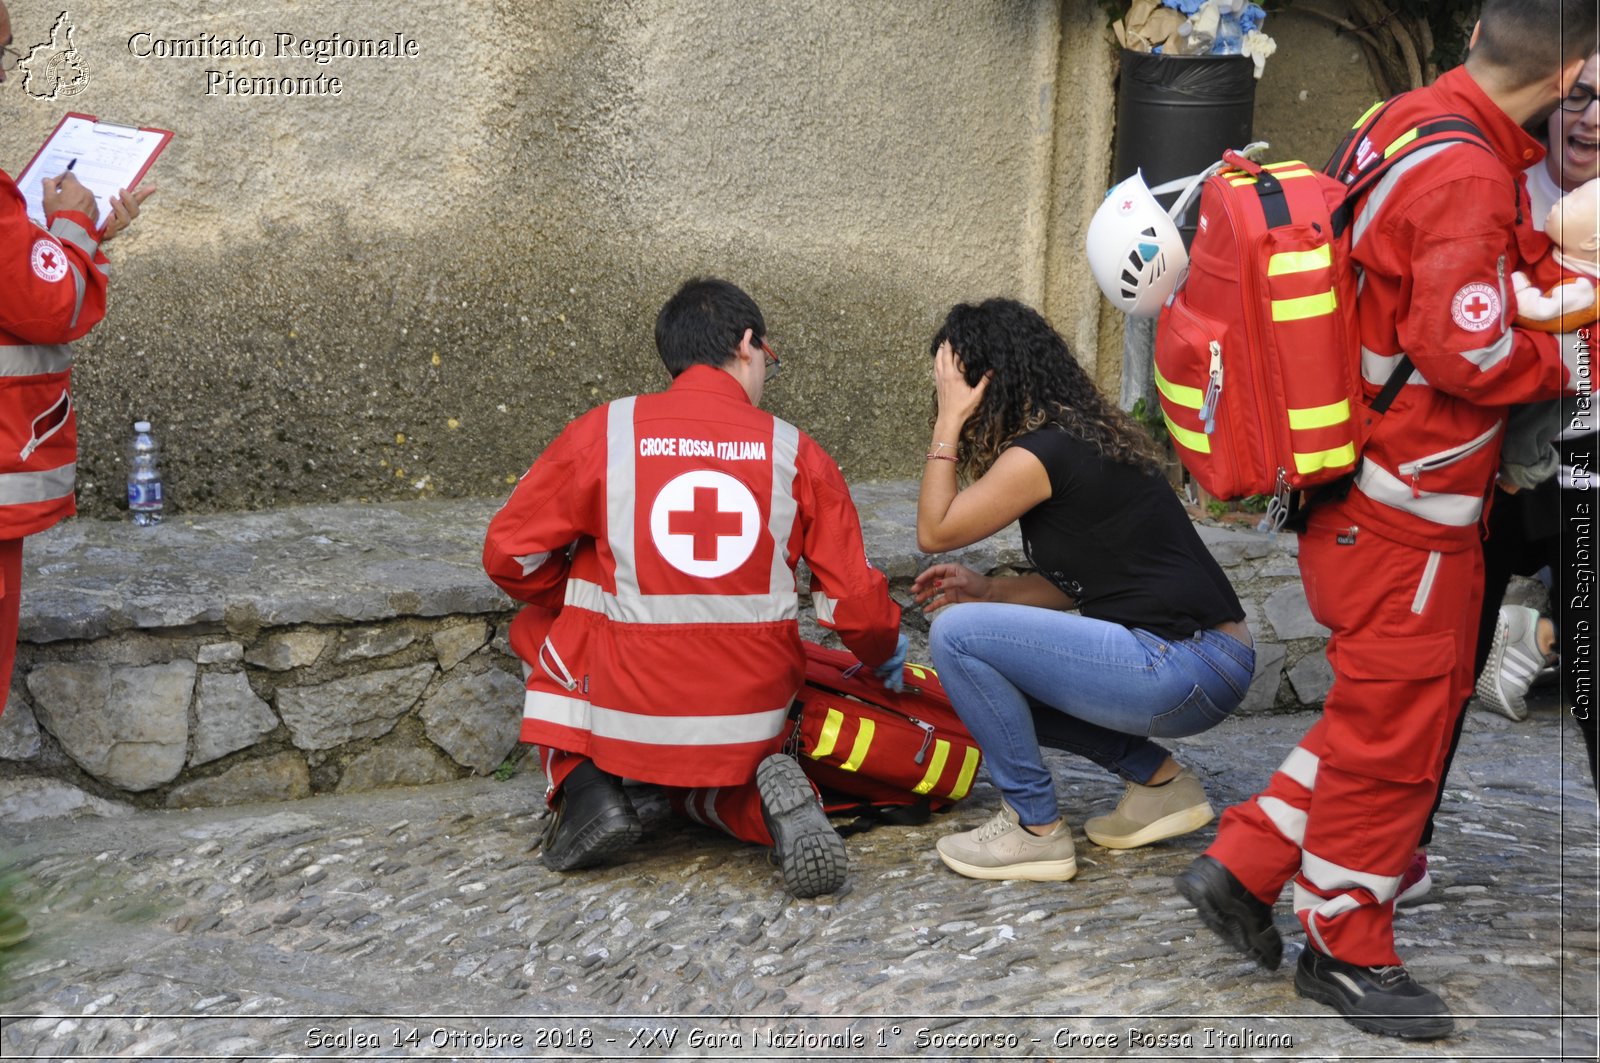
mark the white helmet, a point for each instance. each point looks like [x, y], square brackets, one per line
[1134, 248]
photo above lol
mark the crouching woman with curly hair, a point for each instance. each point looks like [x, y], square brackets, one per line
[1125, 630]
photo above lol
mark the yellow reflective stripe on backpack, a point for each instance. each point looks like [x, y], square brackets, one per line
[1320, 416]
[1304, 307]
[1198, 442]
[858, 752]
[1300, 261]
[1239, 177]
[828, 737]
[1180, 394]
[1325, 459]
[941, 753]
[1366, 114]
[969, 768]
[1401, 141]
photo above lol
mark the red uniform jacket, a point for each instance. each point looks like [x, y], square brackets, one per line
[665, 529]
[1437, 240]
[52, 290]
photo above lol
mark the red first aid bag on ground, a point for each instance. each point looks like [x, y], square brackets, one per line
[866, 746]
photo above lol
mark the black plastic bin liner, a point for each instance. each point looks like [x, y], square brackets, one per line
[1176, 114]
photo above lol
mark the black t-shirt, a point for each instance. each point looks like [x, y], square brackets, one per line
[1119, 541]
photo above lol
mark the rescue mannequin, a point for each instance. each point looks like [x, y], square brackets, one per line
[1573, 226]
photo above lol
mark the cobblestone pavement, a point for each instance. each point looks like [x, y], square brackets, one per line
[418, 924]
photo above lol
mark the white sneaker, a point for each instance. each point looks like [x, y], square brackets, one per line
[1514, 662]
[1004, 849]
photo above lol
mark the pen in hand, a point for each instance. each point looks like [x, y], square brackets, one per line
[71, 163]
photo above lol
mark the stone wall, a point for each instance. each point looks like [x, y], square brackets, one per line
[405, 290]
[269, 656]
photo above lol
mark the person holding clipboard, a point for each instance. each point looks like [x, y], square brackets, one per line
[52, 291]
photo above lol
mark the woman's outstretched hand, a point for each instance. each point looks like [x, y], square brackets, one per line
[949, 584]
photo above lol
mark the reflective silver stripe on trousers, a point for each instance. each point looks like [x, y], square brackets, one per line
[21, 488]
[1290, 821]
[629, 604]
[1380, 485]
[35, 359]
[683, 608]
[762, 726]
[1430, 573]
[1301, 765]
[1329, 876]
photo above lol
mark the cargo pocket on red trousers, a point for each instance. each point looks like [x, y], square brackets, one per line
[1391, 711]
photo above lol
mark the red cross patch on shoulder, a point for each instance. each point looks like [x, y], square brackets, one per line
[1476, 306]
[49, 261]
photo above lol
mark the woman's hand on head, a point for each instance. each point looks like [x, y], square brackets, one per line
[948, 584]
[958, 400]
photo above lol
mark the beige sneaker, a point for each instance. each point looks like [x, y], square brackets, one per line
[1002, 848]
[1150, 813]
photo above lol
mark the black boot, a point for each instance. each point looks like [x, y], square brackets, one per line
[1232, 912]
[808, 849]
[593, 818]
[1382, 1000]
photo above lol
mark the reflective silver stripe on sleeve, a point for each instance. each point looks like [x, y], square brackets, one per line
[683, 608]
[780, 523]
[35, 360]
[74, 234]
[1376, 369]
[77, 306]
[21, 488]
[1486, 358]
[824, 607]
[638, 728]
[1381, 485]
[619, 496]
[530, 562]
[1385, 187]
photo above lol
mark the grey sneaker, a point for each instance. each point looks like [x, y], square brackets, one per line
[1003, 849]
[1151, 813]
[1514, 662]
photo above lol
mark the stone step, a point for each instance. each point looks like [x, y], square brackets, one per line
[259, 656]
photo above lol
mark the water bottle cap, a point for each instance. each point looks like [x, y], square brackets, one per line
[141, 426]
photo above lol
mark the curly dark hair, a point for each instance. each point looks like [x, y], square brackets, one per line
[1036, 381]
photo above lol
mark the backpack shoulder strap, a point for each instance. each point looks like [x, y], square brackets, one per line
[1446, 129]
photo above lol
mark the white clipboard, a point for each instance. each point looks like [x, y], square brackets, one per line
[105, 156]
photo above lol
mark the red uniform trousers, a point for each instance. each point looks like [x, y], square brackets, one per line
[733, 809]
[1344, 811]
[10, 603]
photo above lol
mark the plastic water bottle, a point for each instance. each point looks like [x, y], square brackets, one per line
[1230, 36]
[144, 476]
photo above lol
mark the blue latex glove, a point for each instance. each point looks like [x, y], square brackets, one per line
[893, 671]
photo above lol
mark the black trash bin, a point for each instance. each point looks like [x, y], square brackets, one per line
[1176, 114]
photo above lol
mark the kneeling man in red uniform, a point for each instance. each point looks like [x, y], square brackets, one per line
[655, 542]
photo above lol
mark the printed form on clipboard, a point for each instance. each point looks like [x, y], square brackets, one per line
[106, 157]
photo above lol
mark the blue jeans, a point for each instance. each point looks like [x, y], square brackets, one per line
[1092, 687]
